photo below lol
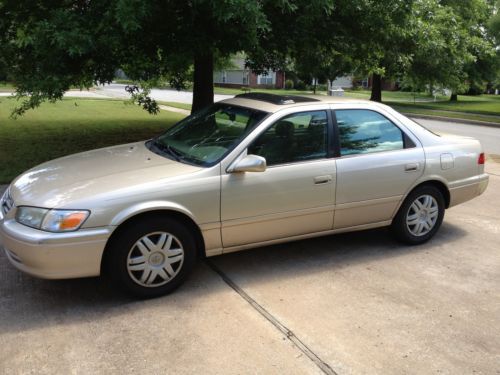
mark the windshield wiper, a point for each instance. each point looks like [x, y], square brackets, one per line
[168, 150]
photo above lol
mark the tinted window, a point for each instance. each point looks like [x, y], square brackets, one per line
[298, 137]
[364, 131]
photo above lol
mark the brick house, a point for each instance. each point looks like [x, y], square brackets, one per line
[239, 76]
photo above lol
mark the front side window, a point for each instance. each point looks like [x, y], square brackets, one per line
[364, 131]
[298, 137]
[205, 137]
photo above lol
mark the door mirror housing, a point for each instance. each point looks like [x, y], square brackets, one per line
[250, 163]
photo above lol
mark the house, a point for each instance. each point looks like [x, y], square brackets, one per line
[239, 76]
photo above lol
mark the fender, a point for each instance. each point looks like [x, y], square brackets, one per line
[420, 181]
[142, 207]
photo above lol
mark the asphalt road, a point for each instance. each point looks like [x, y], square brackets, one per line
[489, 136]
[116, 90]
[352, 303]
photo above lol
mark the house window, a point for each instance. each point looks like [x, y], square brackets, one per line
[266, 79]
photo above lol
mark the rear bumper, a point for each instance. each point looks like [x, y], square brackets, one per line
[53, 255]
[463, 193]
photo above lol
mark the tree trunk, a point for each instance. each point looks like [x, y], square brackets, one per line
[203, 83]
[376, 88]
[453, 97]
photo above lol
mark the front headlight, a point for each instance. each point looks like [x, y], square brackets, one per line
[31, 216]
[51, 220]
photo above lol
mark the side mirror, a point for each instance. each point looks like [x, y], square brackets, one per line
[250, 163]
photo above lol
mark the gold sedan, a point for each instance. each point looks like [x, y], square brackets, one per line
[250, 171]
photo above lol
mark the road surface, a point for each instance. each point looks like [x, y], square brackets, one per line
[116, 90]
[488, 136]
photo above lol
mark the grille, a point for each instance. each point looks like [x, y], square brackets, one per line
[7, 202]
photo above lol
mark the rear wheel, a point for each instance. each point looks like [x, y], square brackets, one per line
[420, 216]
[152, 257]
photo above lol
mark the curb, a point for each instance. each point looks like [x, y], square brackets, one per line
[174, 109]
[450, 119]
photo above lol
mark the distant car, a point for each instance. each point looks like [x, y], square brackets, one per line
[250, 171]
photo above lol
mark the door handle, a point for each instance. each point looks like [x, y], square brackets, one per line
[411, 167]
[322, 179]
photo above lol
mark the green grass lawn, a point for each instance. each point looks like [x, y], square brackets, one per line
[70, 126]
[177, 105]
[236, 91]
[6, 87]
[482, 105]
[396, 96]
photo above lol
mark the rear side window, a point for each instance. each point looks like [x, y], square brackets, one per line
[363, 131]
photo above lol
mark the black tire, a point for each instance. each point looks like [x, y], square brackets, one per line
[123, 249]
[405, 232]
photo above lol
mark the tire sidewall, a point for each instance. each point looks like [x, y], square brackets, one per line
[122, 243]
[399, 223]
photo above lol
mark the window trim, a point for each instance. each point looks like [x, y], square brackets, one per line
[408, 142]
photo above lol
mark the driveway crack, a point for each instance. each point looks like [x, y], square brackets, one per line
[323, 366]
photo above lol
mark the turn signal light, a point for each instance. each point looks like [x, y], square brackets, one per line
[480, 160]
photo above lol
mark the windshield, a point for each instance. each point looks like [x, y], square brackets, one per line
[205, 137]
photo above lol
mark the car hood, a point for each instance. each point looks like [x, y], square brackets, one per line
[59, 182]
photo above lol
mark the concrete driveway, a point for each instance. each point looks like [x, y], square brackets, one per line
[353, 303]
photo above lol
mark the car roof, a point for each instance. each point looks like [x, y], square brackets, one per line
[273, 103]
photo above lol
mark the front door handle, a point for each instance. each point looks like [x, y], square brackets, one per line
[411, 167]
[319, 180]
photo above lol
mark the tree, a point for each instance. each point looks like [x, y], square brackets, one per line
[494, 32]
[387, 43]
[453, 49]
[58, 44]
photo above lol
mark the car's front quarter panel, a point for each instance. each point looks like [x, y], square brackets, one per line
[195, 195]
[79, 253]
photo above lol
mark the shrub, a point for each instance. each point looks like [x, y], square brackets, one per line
[300, 85]
[321, 87]
[288, 84]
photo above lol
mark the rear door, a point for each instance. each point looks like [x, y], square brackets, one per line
[378, 163]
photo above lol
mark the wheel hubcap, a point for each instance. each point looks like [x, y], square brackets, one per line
[422, 215]
[155, 259]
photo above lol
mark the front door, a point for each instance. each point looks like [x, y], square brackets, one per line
[296, 193]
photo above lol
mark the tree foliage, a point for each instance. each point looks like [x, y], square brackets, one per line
[52, 45]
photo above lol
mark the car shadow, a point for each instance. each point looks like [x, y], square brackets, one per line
[327, 253]
[29, 303]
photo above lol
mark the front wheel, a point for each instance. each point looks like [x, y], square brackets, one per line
[152, 257]
[420, 216]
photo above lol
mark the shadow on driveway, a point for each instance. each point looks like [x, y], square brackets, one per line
[28, 303]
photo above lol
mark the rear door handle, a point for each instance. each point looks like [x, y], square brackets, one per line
[319, 180]
[411, 167]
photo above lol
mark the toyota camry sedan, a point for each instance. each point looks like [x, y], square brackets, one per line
[254, 170]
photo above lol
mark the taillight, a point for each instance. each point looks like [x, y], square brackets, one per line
[480, 160]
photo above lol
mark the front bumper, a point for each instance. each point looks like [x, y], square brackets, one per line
[53, 255]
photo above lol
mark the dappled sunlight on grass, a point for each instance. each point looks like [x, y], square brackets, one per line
[70, 126]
